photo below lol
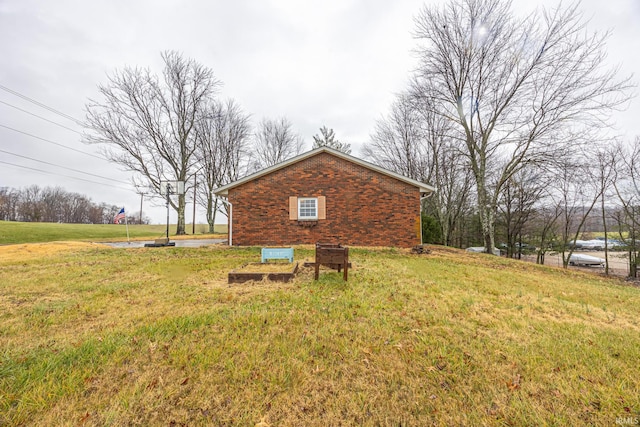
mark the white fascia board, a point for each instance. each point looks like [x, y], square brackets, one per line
[424, 188]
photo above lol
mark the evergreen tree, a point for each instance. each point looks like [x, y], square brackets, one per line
[327, 138]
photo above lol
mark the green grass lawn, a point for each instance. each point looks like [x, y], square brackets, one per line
[98, 336]
[29, 232]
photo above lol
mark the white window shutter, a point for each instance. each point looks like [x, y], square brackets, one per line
[293, 207]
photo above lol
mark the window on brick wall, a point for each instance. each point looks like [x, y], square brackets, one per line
[307, 208]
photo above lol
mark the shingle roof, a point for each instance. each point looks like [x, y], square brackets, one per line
[424, 188]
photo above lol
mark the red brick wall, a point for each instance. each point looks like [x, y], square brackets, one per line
[363, 207]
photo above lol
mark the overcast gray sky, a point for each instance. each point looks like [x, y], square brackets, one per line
[337, 63]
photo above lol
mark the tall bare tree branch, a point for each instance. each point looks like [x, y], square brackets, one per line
[517, 89]
[146, 123]
[275, 141]
[223, 135]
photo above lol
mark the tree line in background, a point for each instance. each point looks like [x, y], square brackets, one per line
[505, 116]
[547, 211]
[54, 204]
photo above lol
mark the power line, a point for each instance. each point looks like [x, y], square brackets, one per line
[53, 142]
[67, 176]
[41, 105]
[40, 117]
[63, 167]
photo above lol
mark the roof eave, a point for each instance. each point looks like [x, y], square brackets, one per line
[423, 187]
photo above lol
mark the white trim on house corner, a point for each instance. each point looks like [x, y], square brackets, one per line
[424, 188]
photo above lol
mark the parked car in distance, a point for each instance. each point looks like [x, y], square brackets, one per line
[586, 260]
[594, 244]
[524, 247]
[480, 249]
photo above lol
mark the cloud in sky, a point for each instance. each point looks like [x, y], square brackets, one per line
[335, 63]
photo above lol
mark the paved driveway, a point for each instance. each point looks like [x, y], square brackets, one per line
[618, 261]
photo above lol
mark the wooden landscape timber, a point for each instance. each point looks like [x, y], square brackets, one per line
[275, 272]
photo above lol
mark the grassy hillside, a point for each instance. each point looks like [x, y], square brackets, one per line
[98, 336]
[28, 232]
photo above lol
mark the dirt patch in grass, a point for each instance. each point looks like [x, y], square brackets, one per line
[24, 251]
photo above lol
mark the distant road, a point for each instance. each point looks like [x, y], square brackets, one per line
[187, 243]
[618, 262]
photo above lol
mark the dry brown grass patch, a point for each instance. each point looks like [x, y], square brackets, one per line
[27, 251]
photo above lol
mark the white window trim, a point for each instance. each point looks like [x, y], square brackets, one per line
[307, 218]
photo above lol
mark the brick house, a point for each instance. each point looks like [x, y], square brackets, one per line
[325, 195]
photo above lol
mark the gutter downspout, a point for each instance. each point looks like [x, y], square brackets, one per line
[227, 202]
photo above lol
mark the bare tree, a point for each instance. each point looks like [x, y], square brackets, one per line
[147, 124]
[95, 213]
[627, 188]
[327, 138]
[454, 197]
[605, 175]
[30, 206]
[579, 194]
[399, 142]
[515, 88]
[53, 200]
[138, 218]
[9, 201]
[518, 198]
[275, 142]
[51, 204]
[414, 142]
[222, 137]
[544, 224]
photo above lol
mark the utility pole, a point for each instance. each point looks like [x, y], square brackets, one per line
[168, 192]
[141, 197]
[195, 185]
